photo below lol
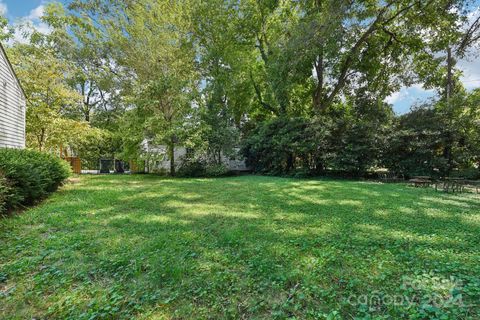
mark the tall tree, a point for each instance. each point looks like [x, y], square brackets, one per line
[92, 75]
[151, 43]
[49, 101]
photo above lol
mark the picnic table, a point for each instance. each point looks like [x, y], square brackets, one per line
[421, 181]
[423, 178]
[390, 177]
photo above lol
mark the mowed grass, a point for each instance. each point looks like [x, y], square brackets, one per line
[250, 247]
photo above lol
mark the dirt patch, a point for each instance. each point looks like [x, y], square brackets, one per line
[73, 180]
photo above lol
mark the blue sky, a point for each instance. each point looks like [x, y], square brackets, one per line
[402, 100]
[20, 8]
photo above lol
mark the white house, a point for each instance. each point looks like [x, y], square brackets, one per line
[12, 106]
[162, 163]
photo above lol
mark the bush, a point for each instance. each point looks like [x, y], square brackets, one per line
[216, 170]
[279, 146]
[304, 147]
[194, 168]
[467, 173]
[5, 192]
[191, 168]
[29, 176]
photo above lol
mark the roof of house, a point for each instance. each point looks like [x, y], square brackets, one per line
[2, 50]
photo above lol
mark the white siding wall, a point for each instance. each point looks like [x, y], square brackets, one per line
[12, 108]
[164, 164]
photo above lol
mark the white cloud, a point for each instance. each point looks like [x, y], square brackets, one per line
[471, 73]
[407, 97]
[409, 94]
[35, 19]
[3, 8]
[470, 67]
[473, 15]
[396, 96]
[37, 13]
[32, 21]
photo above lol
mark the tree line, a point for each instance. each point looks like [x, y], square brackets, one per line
[300, 86]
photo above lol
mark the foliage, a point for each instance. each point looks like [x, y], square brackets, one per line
[216, 170]
[436, 139]
[91, 74]
[192, 168]
[276, 146]
[195, 167]
[349, 139]
[218, 135]
[92, 144]
[209, 75]
[49, 100]
[30, 175]
[162, 67]
[5, 192]
[6, 31]
[280, 248]
[42, 77]
[468, 173]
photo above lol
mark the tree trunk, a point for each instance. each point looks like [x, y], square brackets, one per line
[290, 162]
[318, 93]
[87, 115]
[41, 140]
[171, 155]
[448, 89]
[447, 152]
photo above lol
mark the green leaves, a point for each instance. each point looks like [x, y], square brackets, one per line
[28, 176]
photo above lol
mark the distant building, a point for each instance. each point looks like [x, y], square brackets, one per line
[162, 163]
[12, 106]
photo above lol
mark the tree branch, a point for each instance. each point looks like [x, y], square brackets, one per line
[259, 96]
[379, 20]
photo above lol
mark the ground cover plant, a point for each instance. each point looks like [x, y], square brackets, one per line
[144, 247]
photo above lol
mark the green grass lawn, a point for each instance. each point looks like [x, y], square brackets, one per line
[122, 247]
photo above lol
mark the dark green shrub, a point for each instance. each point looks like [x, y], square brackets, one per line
[5, 192]
[216, 170]
[191, 168]
[349, 140]
[301, 173]
[31, 175]
[279, 146]
[468, 173]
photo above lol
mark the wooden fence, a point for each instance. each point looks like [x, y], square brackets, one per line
[75, 163]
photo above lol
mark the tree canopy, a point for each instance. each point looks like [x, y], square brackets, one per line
[299, 85]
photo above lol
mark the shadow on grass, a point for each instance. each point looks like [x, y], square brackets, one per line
[247, 246]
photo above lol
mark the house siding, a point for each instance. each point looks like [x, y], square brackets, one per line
[163, 163]
[12, 107]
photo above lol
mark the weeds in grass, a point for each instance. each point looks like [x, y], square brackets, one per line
[122, 247]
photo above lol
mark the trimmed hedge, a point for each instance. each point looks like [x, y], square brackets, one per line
[27, 176]
[191, 168]
[5, 192]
